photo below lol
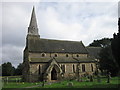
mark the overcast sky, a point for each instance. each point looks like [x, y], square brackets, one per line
[81, 21]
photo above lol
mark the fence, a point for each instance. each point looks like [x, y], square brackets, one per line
[7, 79]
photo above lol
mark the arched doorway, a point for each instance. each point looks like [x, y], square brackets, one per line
[53, 74]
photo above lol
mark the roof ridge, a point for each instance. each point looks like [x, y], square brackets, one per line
[59, 40]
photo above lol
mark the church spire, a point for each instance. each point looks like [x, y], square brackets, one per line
[33, 29]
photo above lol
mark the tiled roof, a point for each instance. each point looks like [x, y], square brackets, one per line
[55, 46]
[94, 51]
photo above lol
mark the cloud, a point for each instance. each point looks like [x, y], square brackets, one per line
[78, 21]
[12, 54]
[63, 21]
[119, 9]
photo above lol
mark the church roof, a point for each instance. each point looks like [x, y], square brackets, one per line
[94, 51]
[55, 46]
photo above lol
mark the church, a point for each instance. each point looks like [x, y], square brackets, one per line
[54, 60]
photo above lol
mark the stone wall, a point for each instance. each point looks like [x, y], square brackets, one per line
[69, 72]
[63, 55]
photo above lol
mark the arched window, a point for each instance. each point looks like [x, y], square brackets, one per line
[92, 67]
[43, 54]
[39, 70]
[56, 55]
[73, 68]
[63, 68]
[77, 55]
[66, 55]
[83, 67]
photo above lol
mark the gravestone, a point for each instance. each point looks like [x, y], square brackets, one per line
[70, 84]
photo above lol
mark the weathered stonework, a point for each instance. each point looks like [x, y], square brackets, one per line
[51, 60]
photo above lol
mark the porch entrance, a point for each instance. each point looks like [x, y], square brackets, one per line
[53, 74]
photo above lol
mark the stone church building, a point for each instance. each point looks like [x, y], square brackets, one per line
[54, 60]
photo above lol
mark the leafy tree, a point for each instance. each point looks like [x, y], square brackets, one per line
[7, 69]
[107, 61]
[19, 69]
[101, 43]
[116, 46]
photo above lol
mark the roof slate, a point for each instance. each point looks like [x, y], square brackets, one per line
[94, 51]
[55, 46]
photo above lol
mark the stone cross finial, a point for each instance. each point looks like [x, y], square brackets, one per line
[32, 29]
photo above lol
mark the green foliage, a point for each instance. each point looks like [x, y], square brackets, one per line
[19, 69]
[101, 43]
[107, 61]
[7, 69]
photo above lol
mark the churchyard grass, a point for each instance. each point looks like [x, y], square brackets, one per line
[86, 84]
[114, 81]
[19, 85]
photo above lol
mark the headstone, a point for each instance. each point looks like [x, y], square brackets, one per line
[43, 83]
[108, 77]
[70, 84]
[91, 78]
[98, 78]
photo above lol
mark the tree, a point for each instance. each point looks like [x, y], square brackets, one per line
[116, 46]
[101, 43]
[19, 69]
[7, 69]
[107, 62]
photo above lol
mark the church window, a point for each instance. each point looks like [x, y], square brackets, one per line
[63, 68]
[83, 67]
[43, 54]
[77, 55]
[92, 67]
[66, 55]
[56, 55]
[39, 70]
[73, 68]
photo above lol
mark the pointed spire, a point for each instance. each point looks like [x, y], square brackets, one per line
[32, 29]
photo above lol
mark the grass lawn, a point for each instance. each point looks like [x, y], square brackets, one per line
[103, 84]
[19, 85]
[64, 84]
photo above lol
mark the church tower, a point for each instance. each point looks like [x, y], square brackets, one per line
[33, 28]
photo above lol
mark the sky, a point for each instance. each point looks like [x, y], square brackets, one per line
[74, 21]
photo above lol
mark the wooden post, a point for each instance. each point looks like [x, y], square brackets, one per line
[7, 80]
[108, 77]
[43, 83]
